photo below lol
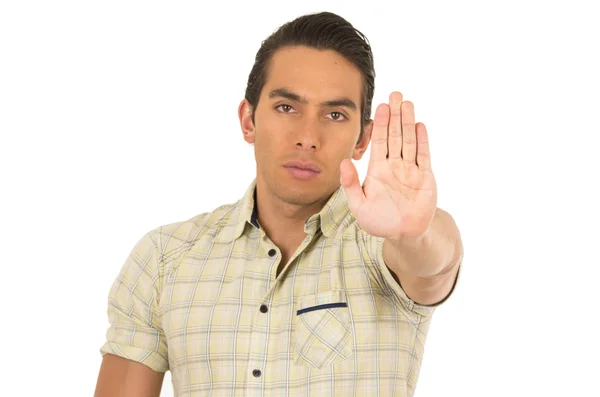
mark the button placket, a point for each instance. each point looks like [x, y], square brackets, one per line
[258, 337]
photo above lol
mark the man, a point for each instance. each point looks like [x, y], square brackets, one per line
[311, 284]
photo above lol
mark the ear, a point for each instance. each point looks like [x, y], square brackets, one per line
[361, 147]
[245, 116]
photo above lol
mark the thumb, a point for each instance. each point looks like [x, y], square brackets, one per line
[351, 184]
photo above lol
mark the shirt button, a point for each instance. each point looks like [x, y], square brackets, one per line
[272, 252]
[256, 373]
[264, 308]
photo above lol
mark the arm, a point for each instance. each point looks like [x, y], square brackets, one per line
[120, 377]
[398, 202]
[427, 267]
[135, 355]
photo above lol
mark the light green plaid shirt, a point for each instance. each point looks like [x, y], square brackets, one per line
[200, 298]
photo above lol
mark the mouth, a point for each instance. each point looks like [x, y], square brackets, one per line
[303, 173]
[303, 165]
[299, 173]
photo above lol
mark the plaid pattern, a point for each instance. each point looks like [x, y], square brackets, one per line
[200, 298]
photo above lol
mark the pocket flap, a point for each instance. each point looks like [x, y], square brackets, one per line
[326, 299]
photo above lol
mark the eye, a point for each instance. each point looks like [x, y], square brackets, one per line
[337, 116]
[285, 108]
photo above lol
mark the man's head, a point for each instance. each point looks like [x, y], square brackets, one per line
[309, 98]
[326, 31]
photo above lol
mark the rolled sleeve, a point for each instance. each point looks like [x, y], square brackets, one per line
[375, 251]
[135, 331]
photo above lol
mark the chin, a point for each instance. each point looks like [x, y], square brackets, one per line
[304, 193]
[297, 191]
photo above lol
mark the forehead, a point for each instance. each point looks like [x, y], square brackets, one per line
[314, 74]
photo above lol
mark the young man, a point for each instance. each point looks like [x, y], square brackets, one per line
[311, 284]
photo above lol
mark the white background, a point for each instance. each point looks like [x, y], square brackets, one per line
[119, 116]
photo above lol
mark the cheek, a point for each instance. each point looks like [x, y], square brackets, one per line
[267, 144]
[341, 148]
[274, 134]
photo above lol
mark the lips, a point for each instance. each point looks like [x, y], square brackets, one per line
[303, 165]
[302, 170]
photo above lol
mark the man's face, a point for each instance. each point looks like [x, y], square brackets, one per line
[309, 110]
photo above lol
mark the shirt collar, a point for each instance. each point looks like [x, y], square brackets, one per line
[329, 219]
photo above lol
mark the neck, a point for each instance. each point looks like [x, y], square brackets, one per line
[283, 221]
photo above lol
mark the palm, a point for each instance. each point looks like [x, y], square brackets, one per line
[399, 196]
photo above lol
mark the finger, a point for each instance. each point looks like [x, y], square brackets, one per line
[423, 154]
[395, 127]
[409, 136]
[351, 184]
[379, 136]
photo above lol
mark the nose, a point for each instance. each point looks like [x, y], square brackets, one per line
[308, 137]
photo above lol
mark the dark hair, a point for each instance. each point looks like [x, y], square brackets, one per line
[323, 30]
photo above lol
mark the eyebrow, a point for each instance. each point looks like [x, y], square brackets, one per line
[285, 93]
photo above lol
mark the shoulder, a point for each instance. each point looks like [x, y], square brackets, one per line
[176, 238]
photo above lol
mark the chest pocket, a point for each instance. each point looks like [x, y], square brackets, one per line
[323, 333]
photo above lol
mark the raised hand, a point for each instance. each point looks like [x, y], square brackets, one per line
[398, 198]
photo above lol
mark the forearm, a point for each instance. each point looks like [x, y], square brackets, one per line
[434, 253]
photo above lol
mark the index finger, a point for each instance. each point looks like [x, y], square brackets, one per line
[379, 136]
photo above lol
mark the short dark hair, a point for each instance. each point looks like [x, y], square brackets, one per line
[322, 31]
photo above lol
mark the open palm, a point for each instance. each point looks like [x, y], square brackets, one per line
[398, 198]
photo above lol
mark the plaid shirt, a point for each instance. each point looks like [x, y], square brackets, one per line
[200, 298]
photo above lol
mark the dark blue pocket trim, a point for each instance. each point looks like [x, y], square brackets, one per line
[321, 307]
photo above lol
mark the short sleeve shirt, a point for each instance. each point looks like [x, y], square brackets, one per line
[201, 298]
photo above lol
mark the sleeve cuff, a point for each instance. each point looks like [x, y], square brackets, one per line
[150, 358]
[408, 303]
